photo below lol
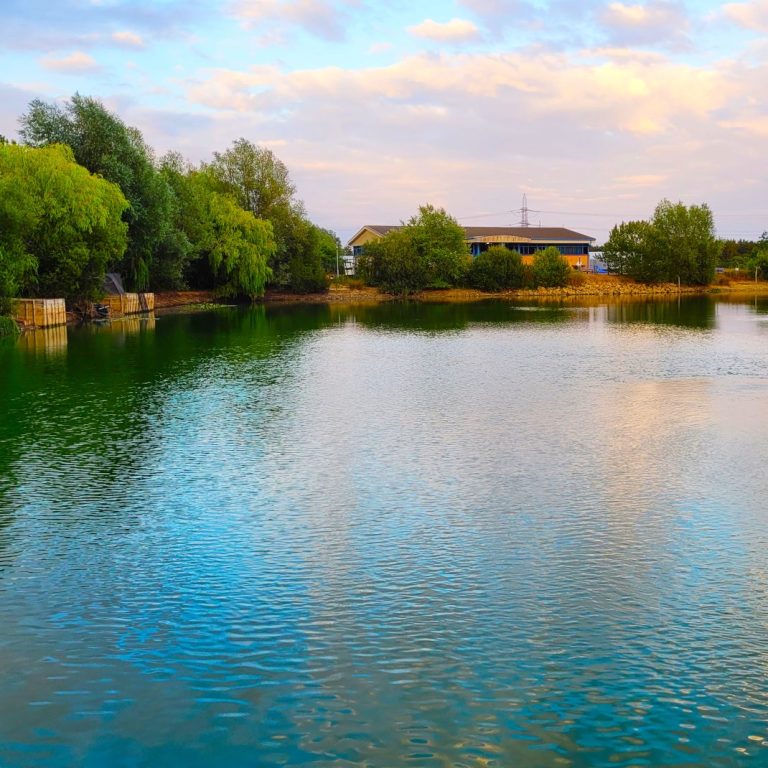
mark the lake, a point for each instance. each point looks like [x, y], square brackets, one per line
[530, 535]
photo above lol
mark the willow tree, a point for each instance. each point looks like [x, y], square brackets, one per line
[239, 247]
[60, 226]
[260, 183]
[105, 145]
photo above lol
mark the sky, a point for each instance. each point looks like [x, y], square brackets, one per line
[596, 110]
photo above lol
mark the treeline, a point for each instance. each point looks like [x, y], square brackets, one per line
[430, 251]
[747, 255]
[84, 194]
[679, 244]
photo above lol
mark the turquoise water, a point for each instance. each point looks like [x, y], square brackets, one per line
[449, 535]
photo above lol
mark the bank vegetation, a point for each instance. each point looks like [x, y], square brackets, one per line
[84, 194]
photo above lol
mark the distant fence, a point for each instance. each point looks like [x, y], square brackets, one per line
[41, 312]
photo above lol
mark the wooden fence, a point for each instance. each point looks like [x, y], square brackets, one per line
[41, 312]
[130, 303]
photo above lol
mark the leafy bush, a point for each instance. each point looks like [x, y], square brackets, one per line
[497, 269]
[391, 264]
[576, 278]
[8, 326]
[550, 269]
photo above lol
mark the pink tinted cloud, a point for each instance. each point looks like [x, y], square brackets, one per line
[752, 15]
[77, 62]
[453, 31]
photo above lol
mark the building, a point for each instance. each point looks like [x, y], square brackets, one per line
[525, 240]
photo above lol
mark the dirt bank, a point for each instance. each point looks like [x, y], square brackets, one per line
[605, 286]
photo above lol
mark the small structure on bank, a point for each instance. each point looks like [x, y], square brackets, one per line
[122, 303]
[41, 313]
[573, 246]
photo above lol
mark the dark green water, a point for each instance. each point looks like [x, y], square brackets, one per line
[464, 535]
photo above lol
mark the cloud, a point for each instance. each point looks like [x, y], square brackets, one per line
[753, 15]
[128, 39]
[47, 26]
[497, 10]
[656, 23]
[643, 95]
[76, 62]
[453, 31]
[320, 18]
[641, 180]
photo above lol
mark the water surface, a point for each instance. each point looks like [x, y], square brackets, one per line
[432, 535]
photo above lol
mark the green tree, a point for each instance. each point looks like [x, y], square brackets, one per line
[428, 251]
[389, 263]
[735, 254]
[496, 269]
[758, 262]
[224, 247]
[106, 146]
[550, 269]
[60, 226]
[330, 251]
[238, 248]
[256, 177]
[683, 237]
[438, 241]
[677, 243]
[627, 252]
[19, 214]
[260, 183]
[306, 273]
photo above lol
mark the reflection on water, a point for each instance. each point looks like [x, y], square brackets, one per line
[45, 341]
[694, 312]
[510, 534]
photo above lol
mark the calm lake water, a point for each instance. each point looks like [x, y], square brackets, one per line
[428, 535]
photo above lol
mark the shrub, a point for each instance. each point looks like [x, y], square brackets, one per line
[390, 263]
[576, 278]
[550, 269]
[8, 326]
[497, 269]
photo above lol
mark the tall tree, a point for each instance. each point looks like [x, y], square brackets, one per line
[684, 239]
[105, 145]
[679, 242]
[260, 183]
[437, 240]
[258, 179]
[626, 251]
[226, 247]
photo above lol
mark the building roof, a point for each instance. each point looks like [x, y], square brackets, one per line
[549, 234]
[379, 229]
[516, 234]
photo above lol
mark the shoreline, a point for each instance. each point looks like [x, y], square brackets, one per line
[595, 289]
